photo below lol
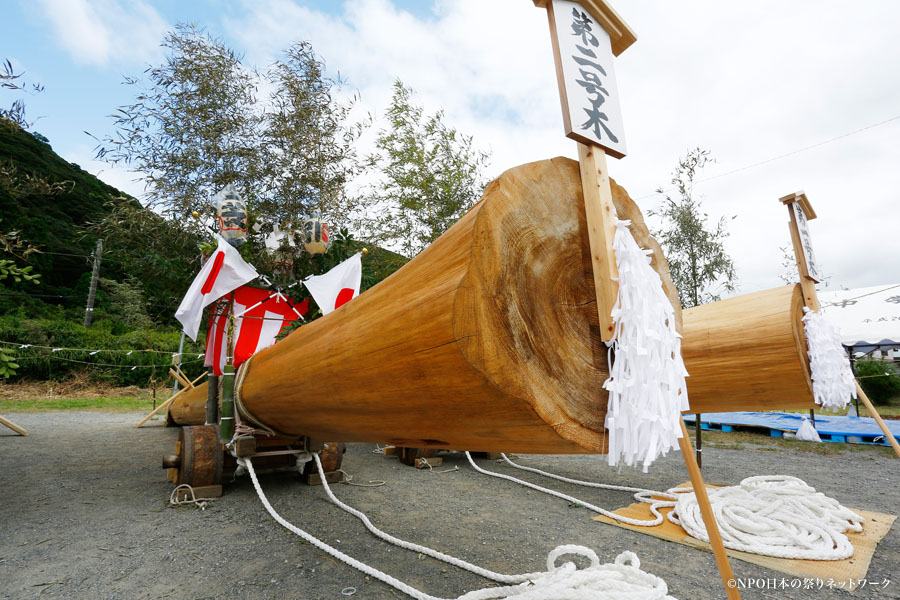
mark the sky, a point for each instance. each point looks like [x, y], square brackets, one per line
[787, 96]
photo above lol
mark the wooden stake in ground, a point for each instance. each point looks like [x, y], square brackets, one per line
[586, 35]
[17, 428]
[801, 211]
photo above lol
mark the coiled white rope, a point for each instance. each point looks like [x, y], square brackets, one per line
[832, 378]
[621, 579]
[772, 515]
[646, 386]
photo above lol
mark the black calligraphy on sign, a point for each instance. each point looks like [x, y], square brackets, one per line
[591, 72]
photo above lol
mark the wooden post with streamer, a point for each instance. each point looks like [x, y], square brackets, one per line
[583, 54]
[801, 211]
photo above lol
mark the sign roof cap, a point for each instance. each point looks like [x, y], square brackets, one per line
[621, 35]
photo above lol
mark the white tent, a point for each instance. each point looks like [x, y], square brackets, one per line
[867, 318]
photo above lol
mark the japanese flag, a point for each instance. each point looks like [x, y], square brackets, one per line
[337, 286]
[223, 272]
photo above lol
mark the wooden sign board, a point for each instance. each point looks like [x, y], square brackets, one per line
[801, 213]
[582, 50]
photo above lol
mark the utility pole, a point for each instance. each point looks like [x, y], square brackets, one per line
[89, 311]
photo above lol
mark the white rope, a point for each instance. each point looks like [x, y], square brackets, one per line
[642, 495]
[833, 383]
[198, 502]
[772, 515]
[647, 391]
[620, 580]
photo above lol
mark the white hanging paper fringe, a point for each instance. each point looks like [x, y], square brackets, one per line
[646, 386]
[833, 383]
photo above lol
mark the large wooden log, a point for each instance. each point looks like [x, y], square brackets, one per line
[189, 408]
[488, 340]
[748, 353]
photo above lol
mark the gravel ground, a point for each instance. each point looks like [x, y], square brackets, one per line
[84, 514]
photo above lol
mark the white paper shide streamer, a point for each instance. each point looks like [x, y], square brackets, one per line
[833, 383]
[647, 390]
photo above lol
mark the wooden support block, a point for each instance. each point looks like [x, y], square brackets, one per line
[390, 451]
[333, 477]
[245, 446]
[426, 463]
[202, 491]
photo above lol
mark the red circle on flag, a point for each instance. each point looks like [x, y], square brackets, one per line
[344, 296]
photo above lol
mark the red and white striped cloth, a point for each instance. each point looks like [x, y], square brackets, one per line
[251, 333]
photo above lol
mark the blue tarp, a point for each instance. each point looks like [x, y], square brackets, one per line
[834, 426]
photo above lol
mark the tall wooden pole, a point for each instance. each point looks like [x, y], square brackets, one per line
[92, 292]
[601, 217]
[709, 518]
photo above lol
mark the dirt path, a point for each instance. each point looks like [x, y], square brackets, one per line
[84, 514]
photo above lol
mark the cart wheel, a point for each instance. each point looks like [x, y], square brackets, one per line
[198, 457]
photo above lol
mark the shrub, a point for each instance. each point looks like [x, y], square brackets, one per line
[879, 379]
[111, 365]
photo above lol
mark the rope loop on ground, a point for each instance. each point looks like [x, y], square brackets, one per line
[200, 503]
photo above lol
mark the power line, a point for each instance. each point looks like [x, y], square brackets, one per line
[780, 156]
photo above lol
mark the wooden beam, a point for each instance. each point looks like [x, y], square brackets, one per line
[184, 381]
[884, 428]
[709, 519]
[162, 406]
[17, 428]
[601, 225]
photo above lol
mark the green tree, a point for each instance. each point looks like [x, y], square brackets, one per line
[700, 266]
[430, 175]
[11, 81]
[198, 124]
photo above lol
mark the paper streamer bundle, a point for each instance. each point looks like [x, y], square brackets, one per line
[646, 385]
[833, 383]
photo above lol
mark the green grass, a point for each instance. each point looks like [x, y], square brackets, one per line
[121, 404]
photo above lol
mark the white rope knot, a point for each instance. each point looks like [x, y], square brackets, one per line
[569, 549]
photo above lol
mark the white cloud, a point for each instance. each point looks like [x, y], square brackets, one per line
[101, 32]
[702, 73]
